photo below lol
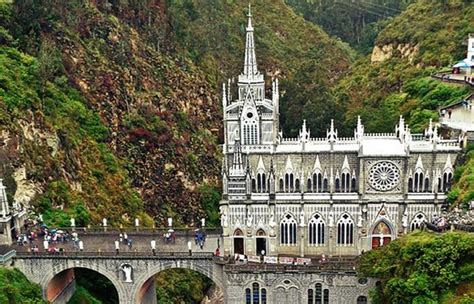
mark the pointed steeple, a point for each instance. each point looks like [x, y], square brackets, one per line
[359, 131]
[250, 60]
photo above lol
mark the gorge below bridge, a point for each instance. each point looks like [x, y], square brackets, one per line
[132, 271]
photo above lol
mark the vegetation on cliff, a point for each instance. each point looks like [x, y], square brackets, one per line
[181, 286]
[423, 268]
[16, 289]
[355, 22]
[306, 60]
[394, 81]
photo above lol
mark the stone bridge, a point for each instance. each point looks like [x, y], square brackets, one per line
[132, 271]
[54, 273]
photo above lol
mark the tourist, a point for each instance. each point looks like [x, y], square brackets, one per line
[218, 252]
[120, 237]
[125, 238]
[129, 244]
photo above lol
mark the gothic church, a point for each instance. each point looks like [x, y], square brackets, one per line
[307, 196]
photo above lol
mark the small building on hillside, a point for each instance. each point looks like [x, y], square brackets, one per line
[459, 118]
[466, 66]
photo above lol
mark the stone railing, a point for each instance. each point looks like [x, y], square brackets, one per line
[100, 230]
[6, 257]
[126, 254]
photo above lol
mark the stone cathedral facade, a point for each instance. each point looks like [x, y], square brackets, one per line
[307, 196]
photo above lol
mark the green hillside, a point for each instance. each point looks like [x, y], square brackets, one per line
[394, 80]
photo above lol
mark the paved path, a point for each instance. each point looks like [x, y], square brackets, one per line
[105, 242]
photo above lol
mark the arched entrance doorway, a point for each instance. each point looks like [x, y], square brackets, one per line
[261, 240]
[238, 242]
[81, 285]
[381, 235]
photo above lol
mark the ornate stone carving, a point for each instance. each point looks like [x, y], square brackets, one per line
[383, 176]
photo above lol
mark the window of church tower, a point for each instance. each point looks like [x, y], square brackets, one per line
[309, 187]
[297, 185]
[254, 188]
[281, 185]
[353, 185]
[345, 230]
[288, 230]
[440, 185]
[325, 185]
[316, 230]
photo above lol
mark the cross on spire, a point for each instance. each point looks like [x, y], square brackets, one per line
[250, 61]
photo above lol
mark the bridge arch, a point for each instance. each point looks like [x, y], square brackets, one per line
[60, 269]
[206, 268]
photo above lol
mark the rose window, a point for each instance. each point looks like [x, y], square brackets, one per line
[384, 176]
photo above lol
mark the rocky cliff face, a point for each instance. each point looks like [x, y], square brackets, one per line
[386, 52]
[111, 108]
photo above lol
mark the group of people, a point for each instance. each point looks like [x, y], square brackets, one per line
[53, 240]
[125, 240]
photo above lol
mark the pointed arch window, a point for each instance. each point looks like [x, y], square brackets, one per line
[353, 184]
[338, 184]
[447, 178]
[316, 230]
[426, 186]
[417, 221]
[281, 185]
[345, 230]
[345, 182]
[440, 185]
[254, 187]
[325, 185]
[297, 185]
[410, 184]
[318, 295]
[288, 230]
[261, 184]
[255, 295]
[309, 186]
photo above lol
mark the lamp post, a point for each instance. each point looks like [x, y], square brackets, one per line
[73, 224]
[153, 246]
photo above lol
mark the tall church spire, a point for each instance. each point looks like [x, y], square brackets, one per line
[250, 61]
